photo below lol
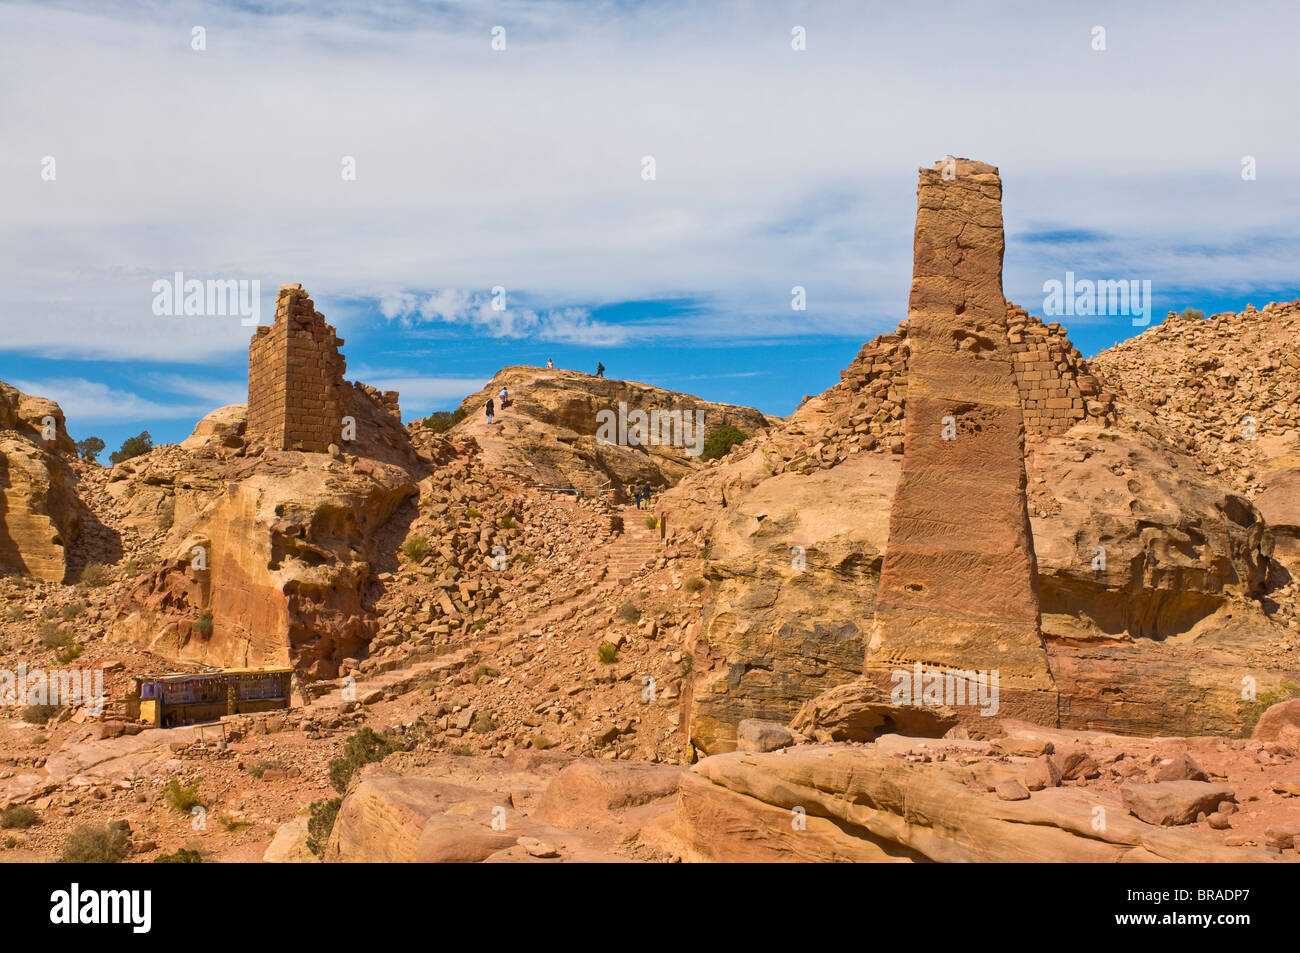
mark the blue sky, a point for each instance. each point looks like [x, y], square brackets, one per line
[523, 168]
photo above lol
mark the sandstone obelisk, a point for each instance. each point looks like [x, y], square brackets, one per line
[958, 586]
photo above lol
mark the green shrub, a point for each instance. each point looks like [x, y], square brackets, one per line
[181, 798]
[18, 816]
[1192, 314]
[440, 421]
[482, 722]
[607, 652]
[132, 447]
[416, 548]
[474, 514]
[651, 522]
[722, 439]
[258, 768]
[182, 856]
[232, 826]
[694, 584]
[507, 522]
[203, 624]
[628, 612]
[96, 844]
[362, 748]
[68, 653]
[320, 824]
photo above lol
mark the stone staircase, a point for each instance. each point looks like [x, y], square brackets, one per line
[636, 547]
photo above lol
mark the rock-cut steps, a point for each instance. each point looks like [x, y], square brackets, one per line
[631, 551]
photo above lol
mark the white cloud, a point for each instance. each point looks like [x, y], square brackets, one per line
[86, 401]
[522, 168]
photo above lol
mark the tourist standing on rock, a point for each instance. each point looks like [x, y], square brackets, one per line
[505, 398]
[491, 407]
[550, 364]
[600, 369]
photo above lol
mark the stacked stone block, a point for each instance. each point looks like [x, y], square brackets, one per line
[1056, 389]
[295, 378]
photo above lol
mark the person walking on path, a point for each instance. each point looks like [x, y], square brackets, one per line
[645, 493]
[491, 407]
[600, 369]
[636, 494]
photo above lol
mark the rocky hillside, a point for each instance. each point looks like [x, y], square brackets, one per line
[551, 434]
[1225, 389]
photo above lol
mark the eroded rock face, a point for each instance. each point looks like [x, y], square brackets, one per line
[795, 560]
[40, 513]
[281, 558]
[958, 587]
[551, 432]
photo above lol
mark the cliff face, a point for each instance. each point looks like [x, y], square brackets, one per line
[40, 513]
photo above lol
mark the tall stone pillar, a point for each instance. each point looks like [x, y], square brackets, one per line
[958, 587]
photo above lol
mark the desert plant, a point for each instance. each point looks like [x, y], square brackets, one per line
[320, 824]
[482, 722]
[96, 575]
[474, 514]
[651, 522]
[607, 652]
[440, 421]
[18, 816]
[362, 748]
[183, 855]
[203, 624]
[416, 548]
[54, 636]
[90, 448]
[507, 522]
[68, 653]
[720, 440]
[181, 798]
[694, 584]
[70, 612]
[96, 844]
[40, 714]
[232, 826]
[132, 447]
[1192, 314]
[258, 768]
[483, 671]
[480, 625]
[628, 612]
[1251, 712]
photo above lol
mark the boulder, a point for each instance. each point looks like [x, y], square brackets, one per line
[860, 711]
[1170, 803]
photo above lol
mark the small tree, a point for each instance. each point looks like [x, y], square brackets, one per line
[720, 440]
[90, 448]
[1191, 314]
[133, 447]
